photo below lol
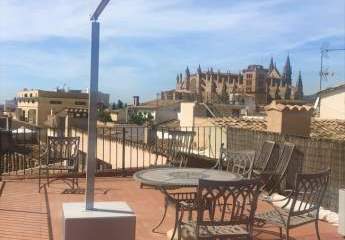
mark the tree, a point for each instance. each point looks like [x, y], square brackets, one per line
[104, 116]
[140, 118]
[113, 106]
[119, 104]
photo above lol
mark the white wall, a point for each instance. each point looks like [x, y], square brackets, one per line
[187, 114]
[332, 105]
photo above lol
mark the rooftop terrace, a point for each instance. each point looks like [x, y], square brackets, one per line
[26, 214]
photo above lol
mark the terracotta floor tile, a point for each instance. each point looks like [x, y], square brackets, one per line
[26, 214]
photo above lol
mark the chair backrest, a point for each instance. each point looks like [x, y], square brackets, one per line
[7, 143]
[63, 150]
[179, 146]
[264, 156]
[278, 169]
[284, 159]
[240, 164]
[235, 162]
[227, 202]
[308, 192]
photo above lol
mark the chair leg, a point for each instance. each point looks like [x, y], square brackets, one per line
[177, 223]
[179, 232]
[287, 233]
[164, 215]
[281, 232]
[317, 229]
[77, 181]
[48, 177]
[39, 180]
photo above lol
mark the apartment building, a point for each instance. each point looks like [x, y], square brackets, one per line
[34, 106]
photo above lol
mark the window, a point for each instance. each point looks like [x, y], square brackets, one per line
[55, 102]
[80, 103]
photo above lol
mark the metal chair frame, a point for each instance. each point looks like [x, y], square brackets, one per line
[304, 201]
[277, 172]
[62, 154]
[264, 157]
[233, 217]
[179, 147]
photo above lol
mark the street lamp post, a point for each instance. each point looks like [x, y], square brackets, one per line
[92, 120]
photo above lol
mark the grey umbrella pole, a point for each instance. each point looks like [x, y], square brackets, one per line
[92, 121]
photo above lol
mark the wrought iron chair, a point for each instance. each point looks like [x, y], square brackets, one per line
[276, 172]
[302, 204]
[178, 149]
[238, 163]
[264, 157]
[179, 145]
[233, 218]
[6, 149]
[61, 155]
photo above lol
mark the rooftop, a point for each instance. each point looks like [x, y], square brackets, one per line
[320, 128]
[28, 214]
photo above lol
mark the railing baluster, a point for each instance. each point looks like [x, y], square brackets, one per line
[137, 143]
[130, 148]
[123, 150]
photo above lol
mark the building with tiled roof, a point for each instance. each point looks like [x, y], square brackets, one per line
[320, 128]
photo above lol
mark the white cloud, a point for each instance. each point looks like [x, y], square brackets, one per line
[33, 20]
[231, 32]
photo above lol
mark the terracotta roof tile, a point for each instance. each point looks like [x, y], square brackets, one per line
[283, 107]
[252, 124]
[325, 129]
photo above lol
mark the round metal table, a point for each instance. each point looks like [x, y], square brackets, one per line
[181, 177]
[166, 178]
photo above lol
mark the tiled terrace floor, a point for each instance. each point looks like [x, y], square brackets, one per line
[26, 214]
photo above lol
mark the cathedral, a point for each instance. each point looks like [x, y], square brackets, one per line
[262, 84]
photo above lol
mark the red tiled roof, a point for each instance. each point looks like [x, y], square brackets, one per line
[320, 128]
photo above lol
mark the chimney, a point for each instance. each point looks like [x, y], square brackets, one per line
[289, 119]
[136, 100]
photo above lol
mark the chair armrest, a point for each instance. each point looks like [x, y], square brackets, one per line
[269, 199]
[183, 196]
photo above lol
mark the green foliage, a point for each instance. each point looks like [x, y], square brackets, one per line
[118, 105]
[140, 118]
[104, 116]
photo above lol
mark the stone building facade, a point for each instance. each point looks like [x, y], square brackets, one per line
[264, 84]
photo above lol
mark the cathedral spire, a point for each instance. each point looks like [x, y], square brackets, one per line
[287, 72]
[199, 69]
[187, 72]
[271, 67]
[299, 85]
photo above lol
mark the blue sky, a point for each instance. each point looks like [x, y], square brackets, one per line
[144, 43]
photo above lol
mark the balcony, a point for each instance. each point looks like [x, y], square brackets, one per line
[123, 150]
